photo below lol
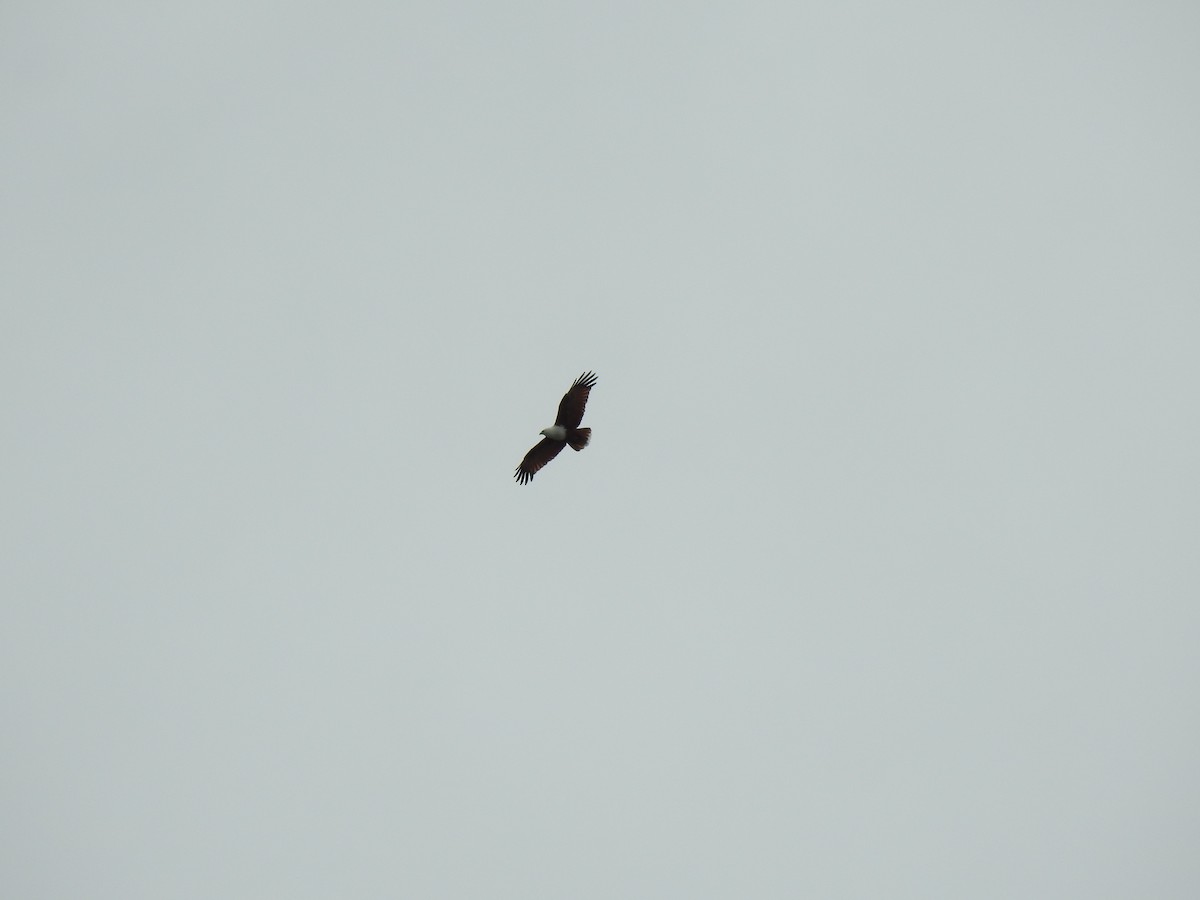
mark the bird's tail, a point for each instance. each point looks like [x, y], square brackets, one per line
[579, 437]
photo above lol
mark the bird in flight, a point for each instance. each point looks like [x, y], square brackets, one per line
[565, 429]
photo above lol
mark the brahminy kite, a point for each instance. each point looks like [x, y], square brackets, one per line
[565, 429]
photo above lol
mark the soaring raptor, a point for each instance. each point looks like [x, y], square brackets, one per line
[565, 429]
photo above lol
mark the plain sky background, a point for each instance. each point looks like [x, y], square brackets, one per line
[880, 578]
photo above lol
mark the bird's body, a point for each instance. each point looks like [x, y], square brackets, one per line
[564, 431]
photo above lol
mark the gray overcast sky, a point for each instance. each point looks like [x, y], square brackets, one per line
[880, 578]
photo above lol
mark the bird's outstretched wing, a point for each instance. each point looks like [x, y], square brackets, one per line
[570, 409]
[543, 451]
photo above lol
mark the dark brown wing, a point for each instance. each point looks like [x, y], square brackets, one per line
[570, 410]
[543, 451]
